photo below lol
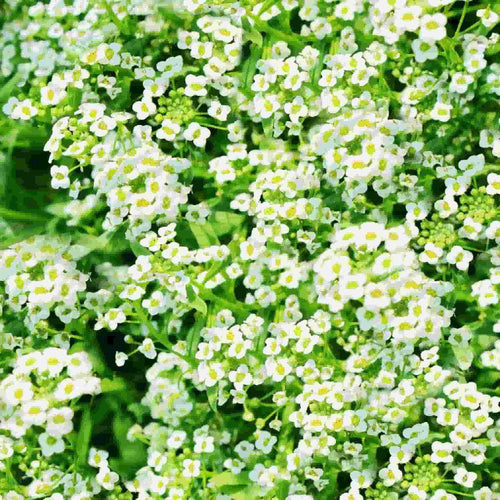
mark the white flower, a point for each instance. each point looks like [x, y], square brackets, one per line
[204, 444]
[18, 392]
[442, 452]
[52, 94]
[488, 17]
[390, 475]
[98, 458]
[120, 358]
[210, 374]
[265, 442]
[470, 229]
[493, 184]
[460, 257]
[424, 50]
[103, 125]
[431, 254]
[60, 178]
[460, 82]
[191, 468]
[197, 134]
[144, 108]
[35, 412]
[148, 349]
[441, 112]
[24, 110]
[68, 389]
[106, 478]
[50, 444]
[432, 27]
[195, 85]
[168, 130]
[59, 421]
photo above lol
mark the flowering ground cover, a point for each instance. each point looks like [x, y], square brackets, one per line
[249, 250]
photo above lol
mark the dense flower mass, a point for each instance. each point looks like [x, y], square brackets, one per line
[269, 262]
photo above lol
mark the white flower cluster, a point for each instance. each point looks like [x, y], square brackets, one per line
[280, 269]
[40, 275]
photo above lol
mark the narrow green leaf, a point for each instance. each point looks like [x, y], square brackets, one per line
[316, 71]
[214, 270]
[74, 96]
[200, 305]
[226, 222]
[204, 234]
[250, 67]
[132, 453]
[193, 337]
[212, 395]
[251, 34]
[83, 438]
[138, 249]
[228, 478]
[57, 209]
[190, 293]
[122, 101]
[90, 243]
[7, 88]
[267, 5]
[111, 385]
[195, 301]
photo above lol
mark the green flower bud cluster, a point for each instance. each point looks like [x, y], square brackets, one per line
[478, 205]
[437, 231]
[380, 492]
[423, 474]
[176, 107]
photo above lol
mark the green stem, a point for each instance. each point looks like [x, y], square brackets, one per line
[155, 334]
[15, 215]
[462, 17]
[212, 126]
[470, 28]
[207, 294]
[460, 493]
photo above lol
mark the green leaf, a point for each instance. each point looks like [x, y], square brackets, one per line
[251, 34]
[83, 438]
[8, 87]
[169, 10]
[227, 478]
[21, 216]
[451, 54]
[316, 71]
[195, 301]
[488, 379]
[212, 395]
[26, 136]
[193, 337]
[204, 234]
[217, 266]
[138, 249]
[267, 5]
[111, 385]
[249, 67]
[132, 453]
[89, 243]
[226, 222]
[57, 209]
[5, 230]
[121, 25]
[122, 101]
[74, 96]
[252, 491]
